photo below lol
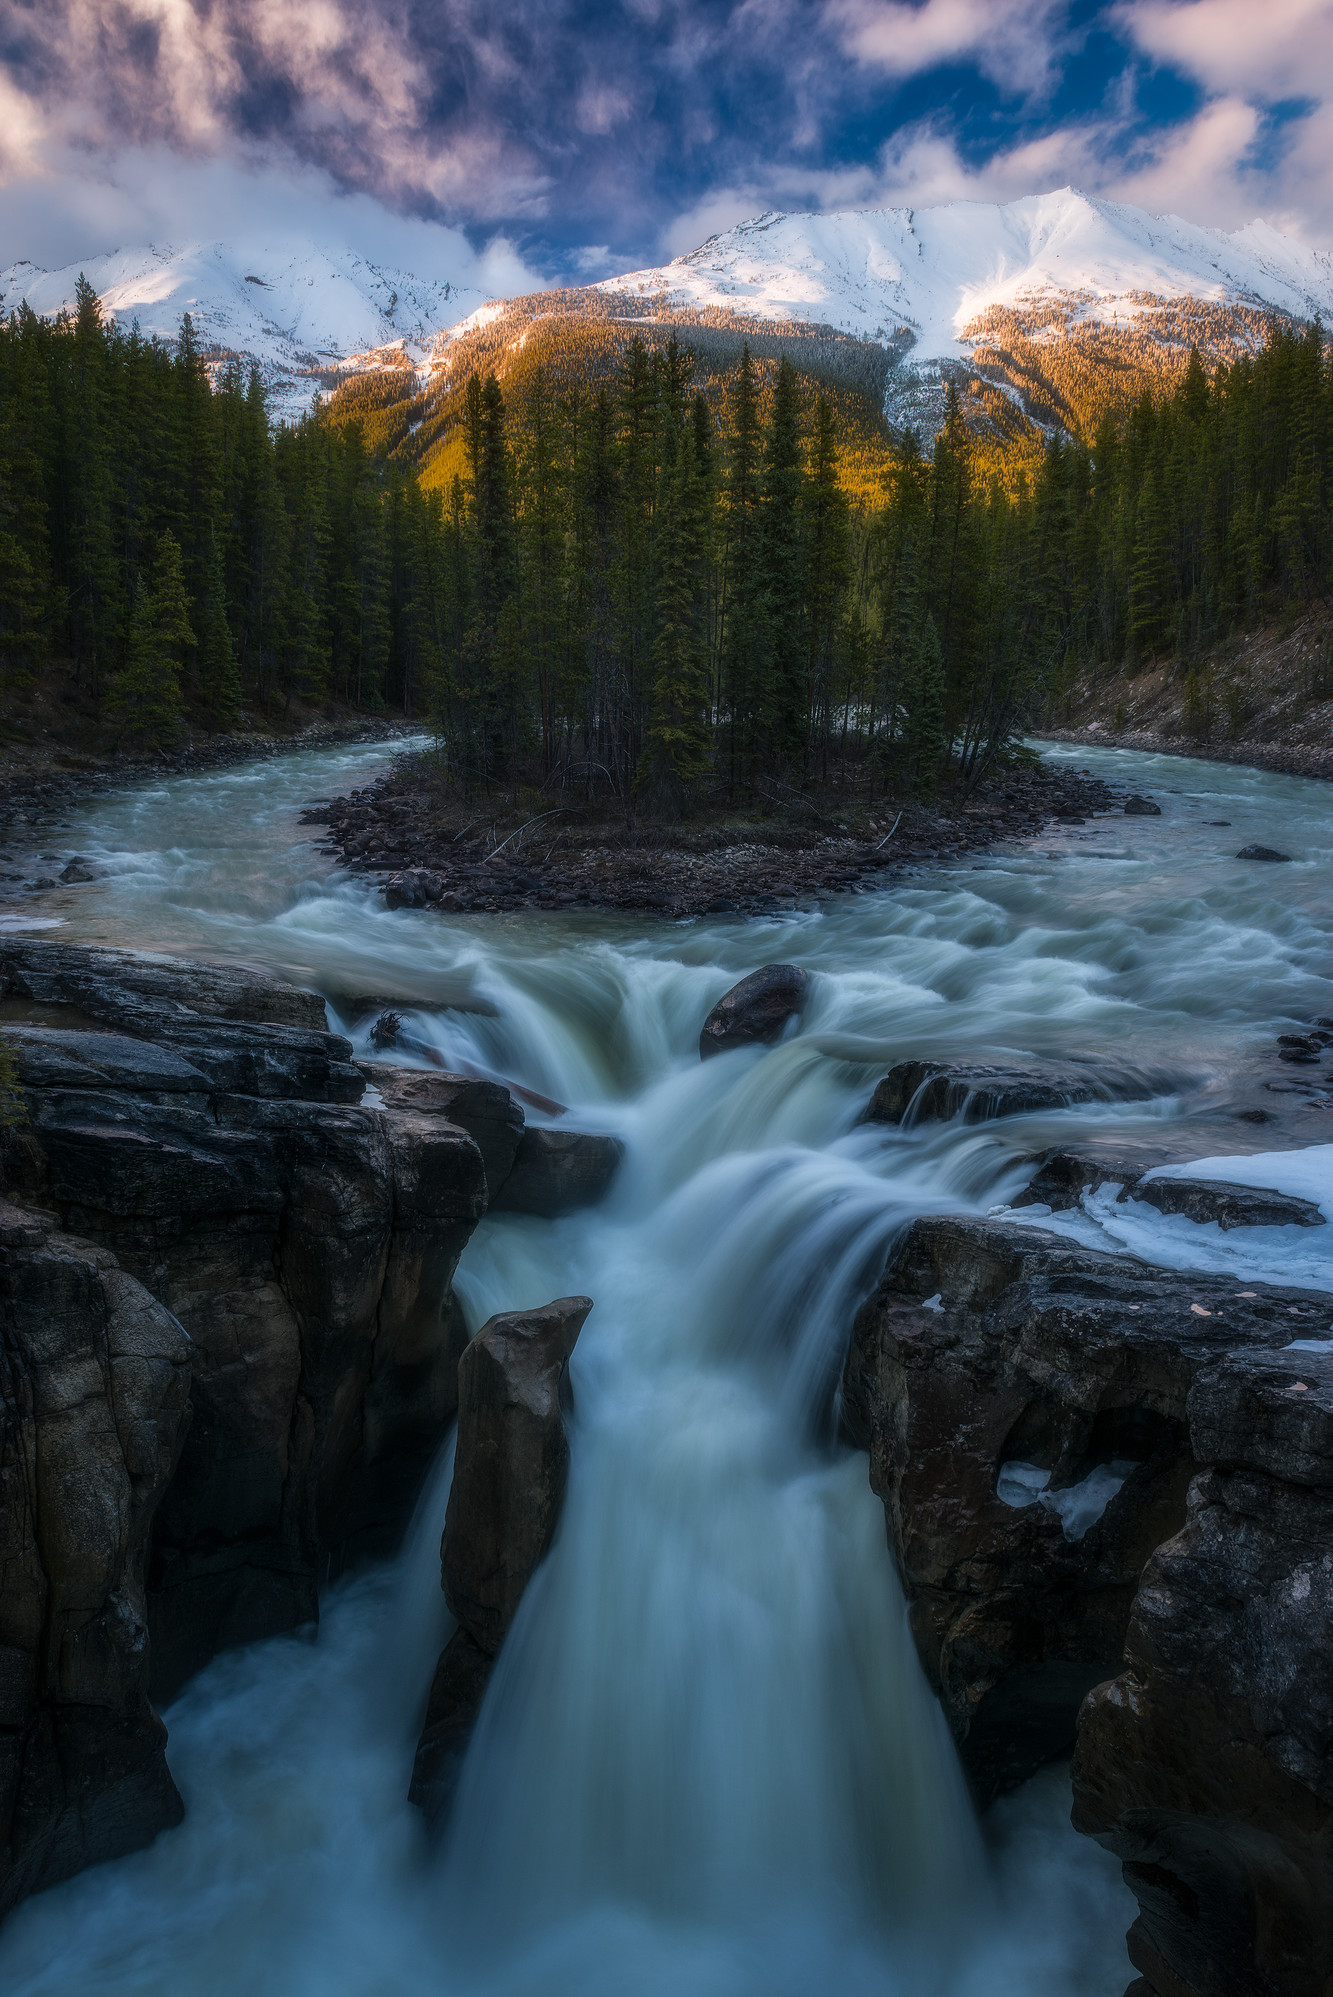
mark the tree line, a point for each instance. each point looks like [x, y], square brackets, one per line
[620, 591]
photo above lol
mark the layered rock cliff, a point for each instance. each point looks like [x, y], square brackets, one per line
[1108, 1489]
[290, 1237]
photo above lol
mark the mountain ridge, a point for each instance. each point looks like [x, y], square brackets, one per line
[1048, 306]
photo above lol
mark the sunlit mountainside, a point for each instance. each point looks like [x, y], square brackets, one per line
[1045, 312]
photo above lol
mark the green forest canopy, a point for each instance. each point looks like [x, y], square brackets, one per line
[620, 586]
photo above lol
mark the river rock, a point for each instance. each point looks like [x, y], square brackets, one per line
[414, 887]
[307, 1243]
[509, 1480]
[94, 1408]
[924, 1091]
[557, 1171]
[1205, 1200]
[998, 1358]
[486, 1110]
[103, 983]
[1206, 1765]
[1062, 1177]
[1261, 853]
[756, 1011]
[1141, 807]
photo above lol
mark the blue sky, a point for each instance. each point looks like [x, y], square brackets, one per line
[508, 139]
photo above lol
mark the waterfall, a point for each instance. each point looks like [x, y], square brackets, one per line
[708, 1760]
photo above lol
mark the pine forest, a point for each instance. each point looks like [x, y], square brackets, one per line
[627, 587]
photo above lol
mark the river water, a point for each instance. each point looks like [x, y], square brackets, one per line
[708, 1762]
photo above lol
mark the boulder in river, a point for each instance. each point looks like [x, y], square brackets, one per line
[1261, 853]
[756, 1011]
[509, 1481]
[1205, 1200]
[94, 1408]
[926, 1091]
[557, 1171]
[1024, 1402]
[1206, 1765]
[1141, 807]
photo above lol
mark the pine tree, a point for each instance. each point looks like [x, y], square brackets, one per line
[782, 647]
[145, 695]
[219, 681]
[926, 738]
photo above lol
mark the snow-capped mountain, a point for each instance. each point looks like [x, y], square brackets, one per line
[933, 271]
[967, 286]
[295, 310]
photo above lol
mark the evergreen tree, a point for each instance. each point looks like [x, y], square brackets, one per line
[145, 695]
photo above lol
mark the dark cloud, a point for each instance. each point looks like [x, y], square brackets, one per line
[617, 126]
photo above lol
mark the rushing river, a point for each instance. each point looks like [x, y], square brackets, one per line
[708, 1765]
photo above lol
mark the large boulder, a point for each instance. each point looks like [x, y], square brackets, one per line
[509, 1480]
[306, 1241]
[557, 1171]
[756, 1011]
[1024, 1404]
[1206, 1765]
[94, 1408]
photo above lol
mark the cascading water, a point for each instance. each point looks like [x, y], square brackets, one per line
[708, 1761]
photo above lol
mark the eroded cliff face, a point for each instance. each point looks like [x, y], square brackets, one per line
[510, 1471]
[94, 1409]
[1109, 1489]
[1206, 1764]
[201, 1125]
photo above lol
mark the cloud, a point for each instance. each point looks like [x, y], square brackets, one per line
[58, 215]
[1011, 41]
[333, 83]
[1283, 48]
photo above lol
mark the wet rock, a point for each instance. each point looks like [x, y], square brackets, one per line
[414, 887]
[78, 871]
[1024, 1402]
[485, 1110]
[1206, 1200]
[1206, 1765]
[1141, 807]
[94, 1385]
[557, 1171]
[305, 1241]
[1062, 1177]
[509, 1480]
[1261, 853]
[103, 983]
[925, 1091]
[756, 1011]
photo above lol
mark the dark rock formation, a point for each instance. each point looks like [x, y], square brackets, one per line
[1141, 807]
[106, 984]
[556, 1171]
[755, 1011]
[1062, 1177]
[1261, 853]
[509, 1479]
[94, 1385]
[1207, 1764]
[306, 1243]
[993, 1347]
[1230, 1206]
[485, 1110]
[921, 1091]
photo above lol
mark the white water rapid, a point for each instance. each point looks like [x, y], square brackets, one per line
[708, 1764]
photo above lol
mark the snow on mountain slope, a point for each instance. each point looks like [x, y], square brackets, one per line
[985, 289]
[932, 271]
[295, 310]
